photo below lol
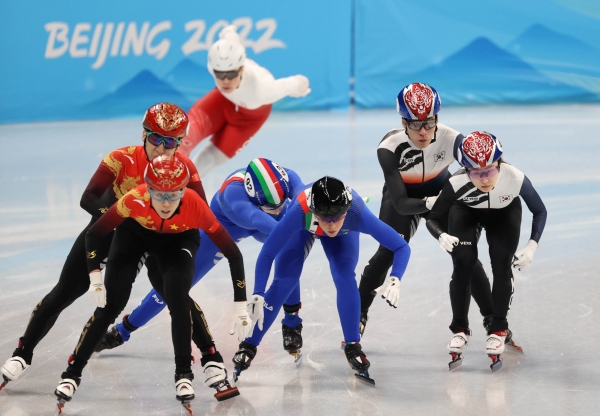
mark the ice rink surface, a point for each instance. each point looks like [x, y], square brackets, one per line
[554, 314]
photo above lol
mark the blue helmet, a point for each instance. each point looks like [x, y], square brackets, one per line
[418, 101]
[267, 184]
[478, 150]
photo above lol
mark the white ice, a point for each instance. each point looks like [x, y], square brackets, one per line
[554, 314]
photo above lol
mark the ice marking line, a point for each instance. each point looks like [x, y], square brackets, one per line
[587, 313]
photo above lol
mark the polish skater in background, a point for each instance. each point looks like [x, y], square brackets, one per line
[240, 104]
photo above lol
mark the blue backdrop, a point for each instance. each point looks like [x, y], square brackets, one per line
[69, 59]
[478, 52]
[72, 59]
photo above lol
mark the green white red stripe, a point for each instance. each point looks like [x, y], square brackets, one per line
[269, 182]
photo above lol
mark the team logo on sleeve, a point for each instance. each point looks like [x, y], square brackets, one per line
[439, 156]
[505, 198]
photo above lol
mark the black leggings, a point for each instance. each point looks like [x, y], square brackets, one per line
[406, 225]
[502, 229]
[174, 255]
[73, 282]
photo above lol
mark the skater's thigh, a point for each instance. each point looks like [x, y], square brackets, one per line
[502, 233]
[342, 253]
[464, 225]
[405, 225]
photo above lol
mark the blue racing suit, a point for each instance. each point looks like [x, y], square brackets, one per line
[290, 243]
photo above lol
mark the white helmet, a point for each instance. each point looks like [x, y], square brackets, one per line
[226, 55]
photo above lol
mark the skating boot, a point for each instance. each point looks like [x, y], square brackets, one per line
[12, 369]
[242, 358]
[511, 345]
[363, 323]
[358, 361]
[292, 342]
[185, 390]
[456, 346]
[65, 390]
[112, 339]
[494, 347]
[215, 376]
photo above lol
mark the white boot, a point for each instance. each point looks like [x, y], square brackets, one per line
[214, 373]
[495, 343]
[458, 342]
[13, 368]
[66, 389]
[184, 389]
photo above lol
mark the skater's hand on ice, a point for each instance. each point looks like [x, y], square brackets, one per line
[447, 242]
[302, 88]
[390, 291]
[256, 312]
[240, 322]
[97, 290]
[524, 257]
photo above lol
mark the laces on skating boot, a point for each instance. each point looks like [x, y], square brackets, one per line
[358, 361]
[292, 342]
[12, 369]
[112, 339]
[215, 376]
[243, 358]
[494, 347]
[363, 323]
[456, 346]
[65, 390]
[184, 390]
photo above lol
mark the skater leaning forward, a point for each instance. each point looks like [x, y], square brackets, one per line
[415, 161]
[161, 219]
[164, 125]
[239, 105]
[485, 193]
[249, 203]
[336, 215]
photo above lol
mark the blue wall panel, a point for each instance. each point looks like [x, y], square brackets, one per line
[473, 52]
[72, 59]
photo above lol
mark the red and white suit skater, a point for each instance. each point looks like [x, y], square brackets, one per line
[239, 105]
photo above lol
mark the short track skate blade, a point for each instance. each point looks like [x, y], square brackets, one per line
[514, 347]
[3, 384]
[454, 364]
[187, 408]
[236, 373]
[297, 358]
[222, 395]
[343, 346]
[496, 365]
[59, 406]
[365, 378]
